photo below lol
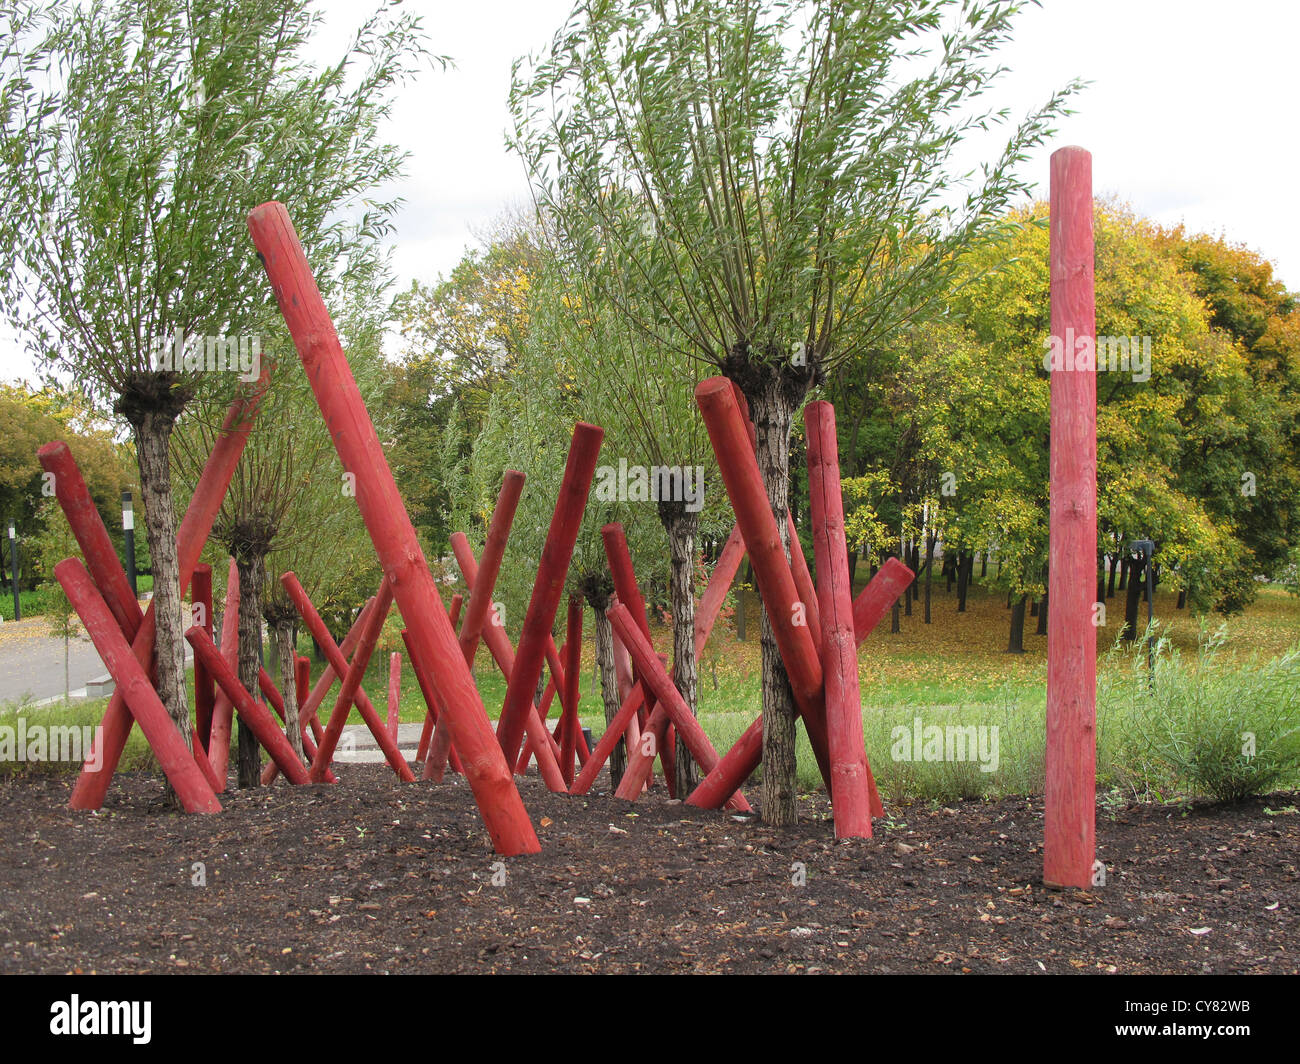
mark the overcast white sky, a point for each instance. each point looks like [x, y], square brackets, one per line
[1191, 117]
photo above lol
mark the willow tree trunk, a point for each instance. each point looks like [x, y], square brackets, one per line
[773, 412]
[608, 685]
[153, 430]
[251, 571]
[681, 526]
[286, 653]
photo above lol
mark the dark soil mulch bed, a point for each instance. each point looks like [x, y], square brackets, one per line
[372, 875]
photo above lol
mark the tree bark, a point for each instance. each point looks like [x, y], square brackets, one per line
[773, 412]
[286, 652]
[929, 572]
[1016, 645]
[681, 526]
[251, 564]
[153, 430]
[1042, 615]
[1133, 596]
[609, 685]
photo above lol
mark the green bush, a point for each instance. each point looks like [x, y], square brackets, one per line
[1227, 731]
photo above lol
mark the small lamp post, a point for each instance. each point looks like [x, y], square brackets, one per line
[1145, 548]
[13, 557]
[128, 530]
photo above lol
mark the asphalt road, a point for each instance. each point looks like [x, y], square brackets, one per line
[31, 662]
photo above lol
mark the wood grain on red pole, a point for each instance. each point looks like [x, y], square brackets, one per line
[251, 712]
[552, 571]
[850, 791]
[175, 758]
[1070, 794]
[223, 710]
[92, 784]
[390, 527]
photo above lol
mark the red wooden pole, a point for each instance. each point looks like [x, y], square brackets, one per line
[92, 784]
[205, 692]
[552, 570]
[850, 794]
[394, 693]
[301, 680]
[92, 537]
[453, 611]
[175, 758]
[251, 712]
[498, 644]
[223, 710]
[715, 594]
[569, 723]
[352, 677]
[390, 528]
[1069, 822]
[433, 714]
[339, 664]
[804, 582]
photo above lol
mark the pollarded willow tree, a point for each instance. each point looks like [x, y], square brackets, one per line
[134, 139]
[769, 187]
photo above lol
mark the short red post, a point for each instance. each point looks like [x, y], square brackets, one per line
[1069, 822]
[394, 693]
[850, 793]
[175, 758]
[579, 469]
[390, 527]
[301, 679]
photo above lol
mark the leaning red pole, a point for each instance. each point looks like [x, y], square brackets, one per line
[160, 730]
[579, 469]
[1069, 822]
[92, 784]
[850, 792]
[223, 710]
[386, 519]
[569, 722]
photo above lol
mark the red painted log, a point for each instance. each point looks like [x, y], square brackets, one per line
[205, 692]
[175, 758]
[569, 722]
[552, 570]
[92, 784]
[498, 644]
[394, 693]
[494, 549]
[453, 611]
[715, 594]
[223, 710]
[251, 712]
[605, 745]
[325, 681]
[380, 503]
[850, 792]
[301, 680]
[92, 537]
[339, 664]
[433, 713]
[1069, 822]
[879, 596]
[352, 677]
[804, 582]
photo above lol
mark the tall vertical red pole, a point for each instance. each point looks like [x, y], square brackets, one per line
[223, 710]
[850, 792]
[1069, 825]
[390, 528]
[569, 722]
